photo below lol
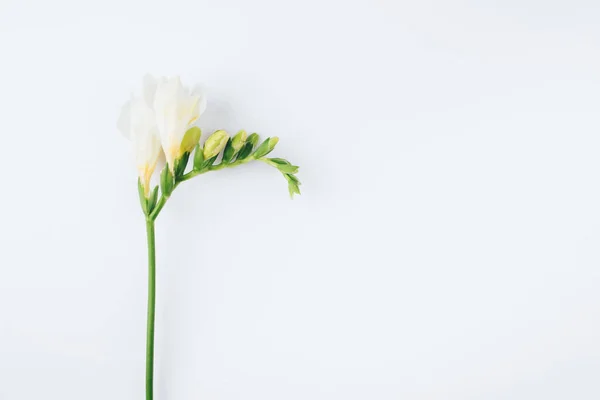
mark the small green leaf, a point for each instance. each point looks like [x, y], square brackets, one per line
[143, 199]
[190, 139]
[291, 177]
[166, 181]
[181, 164]
[208, 163]
[153, 199]
[229, 151]
[198, 157]
[245, 152]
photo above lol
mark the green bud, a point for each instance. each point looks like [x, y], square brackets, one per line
[245, 151]
[279, 161]
[272, 142]
[166, 181]
[229, 152]
[293, 184]
[288, 169]
[143, 199]
[239, 140]
[265, 147]
[190, 139]
[234, 145]
[253, 139]
[215, 143]
[291, 177]
[153, 199]
[282, 165]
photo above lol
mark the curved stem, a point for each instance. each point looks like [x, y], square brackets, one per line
[151, 309]
[194, 173]
[152, 268]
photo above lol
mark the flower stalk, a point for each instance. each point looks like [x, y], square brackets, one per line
[160, 123]
[151, 309]
[153, 204]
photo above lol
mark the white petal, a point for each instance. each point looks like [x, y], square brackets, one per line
[123, 123]
[160, 164]
[162, 161]
[166, 93]
[202, 104]
[142, 118]
[149, 89]
[175, 80]
[176, 109]
[197, 90]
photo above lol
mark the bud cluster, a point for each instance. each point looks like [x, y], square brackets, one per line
[234, 151]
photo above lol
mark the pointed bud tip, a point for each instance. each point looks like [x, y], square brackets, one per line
[239, 140]
[253, 139]
[190, 139]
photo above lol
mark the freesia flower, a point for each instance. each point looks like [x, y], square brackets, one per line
[160, 123]
[177, 109]
[138, 123]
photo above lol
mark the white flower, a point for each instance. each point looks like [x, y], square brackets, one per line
[176, 109]
[138, 123]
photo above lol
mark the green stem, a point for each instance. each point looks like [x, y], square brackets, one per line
[161, 203]
[217, 167]
[194, 173]
[151, 309]
[152, 268]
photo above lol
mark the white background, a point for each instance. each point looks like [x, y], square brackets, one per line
[446, 245]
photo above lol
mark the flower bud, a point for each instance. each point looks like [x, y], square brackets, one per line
[272, 142]
[198, 157]
[215, 143]
[245, 151]
[282, 165]
[293, 184]
[239, 140]
[190, 139]
[166, 181]
[265, 147]
[253, 139]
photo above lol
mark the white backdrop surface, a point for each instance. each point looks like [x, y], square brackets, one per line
[446, 245]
